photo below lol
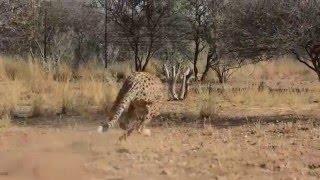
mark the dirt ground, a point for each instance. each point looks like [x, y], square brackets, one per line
[277, 148]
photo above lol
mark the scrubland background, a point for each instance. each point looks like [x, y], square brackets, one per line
[29, 89]
[242, 129]
[252, 112]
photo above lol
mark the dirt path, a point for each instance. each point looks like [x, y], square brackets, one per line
[286, 150]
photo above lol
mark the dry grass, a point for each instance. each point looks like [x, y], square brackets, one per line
[121, 70]
[252, 102]
[49, 92]
[5, 122]
[283, 69]
[286, 68]
[28, 86]
[286, 148]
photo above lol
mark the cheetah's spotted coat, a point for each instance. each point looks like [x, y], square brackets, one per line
[142, 93]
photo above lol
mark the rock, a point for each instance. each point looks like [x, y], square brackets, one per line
[123, 150]
[165, 172]
[263, 165]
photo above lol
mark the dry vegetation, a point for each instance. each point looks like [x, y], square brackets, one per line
[283, 150]
[29, 89]
[262, 122]
[233, 131]
[282, 69]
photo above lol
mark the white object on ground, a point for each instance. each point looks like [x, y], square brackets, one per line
[100, 129]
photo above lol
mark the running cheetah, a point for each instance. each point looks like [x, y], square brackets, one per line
[143, 94]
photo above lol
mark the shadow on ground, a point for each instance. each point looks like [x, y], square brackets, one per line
[231, 121]
[170, 120]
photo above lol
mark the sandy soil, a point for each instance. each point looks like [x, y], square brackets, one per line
[248, 150]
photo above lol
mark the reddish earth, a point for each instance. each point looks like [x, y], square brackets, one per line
[248, 150]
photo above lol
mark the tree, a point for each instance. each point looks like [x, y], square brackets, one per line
[106, 33]
[196, 13]
[18, 21]
[243, 32]
[223, 57]
[211, 38]
[312, 60]
[103, 5]
[304, 33]
[282, 27]
[141, 25]
[85, 22]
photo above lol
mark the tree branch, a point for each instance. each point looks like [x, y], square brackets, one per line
[302, 61]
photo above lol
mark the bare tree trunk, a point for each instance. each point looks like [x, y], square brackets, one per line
[136, 57]
[205, 73]
[221, 74]
[45, 38]
[136, 61]
[34, 29]
[195, 60]
[208, 65]
[220, 77]
[106, 35]
[77, 53]
[145, 64]
[148, 56]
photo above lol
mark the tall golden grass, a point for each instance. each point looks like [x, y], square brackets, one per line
[285, 68]
[48, 92]
[28, 85]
